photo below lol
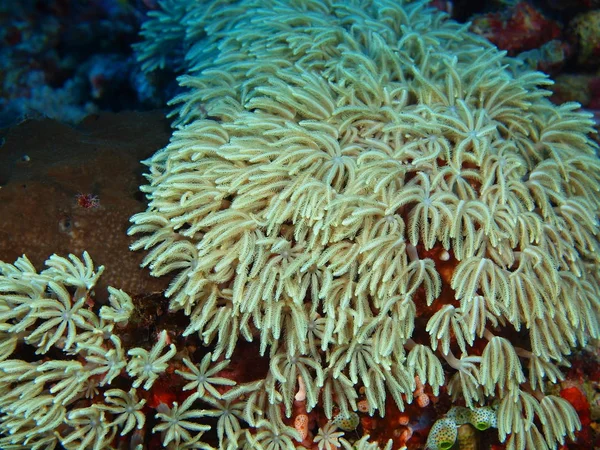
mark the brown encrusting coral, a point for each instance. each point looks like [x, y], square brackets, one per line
[44, 165]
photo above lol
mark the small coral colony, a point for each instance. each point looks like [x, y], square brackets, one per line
[379, 232]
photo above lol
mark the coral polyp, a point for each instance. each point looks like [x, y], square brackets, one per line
[87, 200]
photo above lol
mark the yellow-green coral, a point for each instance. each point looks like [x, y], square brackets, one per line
[47, 401]
[146, 365]
[339, 173]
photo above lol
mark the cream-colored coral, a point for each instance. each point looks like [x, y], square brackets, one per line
[360, 169]
[203, 379]
[177, 422]
[55, 399]
[145, 366]
[88, 430]
[126, 408]
[328, 438]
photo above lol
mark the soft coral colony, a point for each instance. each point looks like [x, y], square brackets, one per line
[383, 203]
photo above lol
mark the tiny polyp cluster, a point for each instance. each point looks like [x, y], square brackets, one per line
[87, 200]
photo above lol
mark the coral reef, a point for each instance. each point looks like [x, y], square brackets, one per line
[585, 89]
[550, 58]
[370, 217]
[584, 35]
[520, 28]
[560, 38]
[367, 195]
[66, 60]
